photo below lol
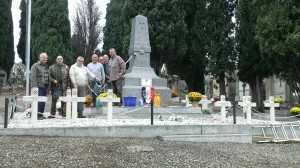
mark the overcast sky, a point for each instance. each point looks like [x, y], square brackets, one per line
[72, 5]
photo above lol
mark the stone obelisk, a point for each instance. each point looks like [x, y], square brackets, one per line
[139, 72]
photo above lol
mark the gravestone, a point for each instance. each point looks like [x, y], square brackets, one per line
[272, 106]
[247, 105]
[3, 78]
[109, 99]
[223, 104]
[139, 66]
[34, 99]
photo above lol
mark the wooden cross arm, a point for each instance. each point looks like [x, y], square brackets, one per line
[247, 104]
[109, 99]
[224, 103]
[35, 98]
[271, 104]
[72, 99]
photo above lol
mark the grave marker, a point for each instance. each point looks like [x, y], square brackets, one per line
[247, 104]
[109, 99]
[205, 102]
[272, 106]
[34, 99]
[75, 100]
[223, 103]
[68, 100]
[186, 101]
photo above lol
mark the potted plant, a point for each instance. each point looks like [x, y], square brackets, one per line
[88, 100]
[174, 96]
[194, 98]
[295, 111]
[278, 100]
[104, 94]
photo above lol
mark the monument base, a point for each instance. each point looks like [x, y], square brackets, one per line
[133, 84]
[136, 92]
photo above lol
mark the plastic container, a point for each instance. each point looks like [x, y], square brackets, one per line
[157, 100]
[99, 103]
[129, 101]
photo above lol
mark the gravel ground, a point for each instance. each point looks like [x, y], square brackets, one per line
[19, 151]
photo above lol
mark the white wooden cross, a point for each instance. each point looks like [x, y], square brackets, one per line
[74, 99]
[205, 102]
[247, 104]
[34, 99]
[110, 99]
[272, 106]
[245, 99]
[68, 100]
[223, 103]
[186, 101]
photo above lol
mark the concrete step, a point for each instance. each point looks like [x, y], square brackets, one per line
[238, 138]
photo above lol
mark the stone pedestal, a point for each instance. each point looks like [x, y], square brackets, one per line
[139, 65]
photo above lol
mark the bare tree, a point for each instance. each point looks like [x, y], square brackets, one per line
[87, 29]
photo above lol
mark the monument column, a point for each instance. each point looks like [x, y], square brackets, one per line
[139, 66]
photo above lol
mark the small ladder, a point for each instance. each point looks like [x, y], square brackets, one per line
[281, 133]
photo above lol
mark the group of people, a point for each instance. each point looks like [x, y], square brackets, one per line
[59, 77]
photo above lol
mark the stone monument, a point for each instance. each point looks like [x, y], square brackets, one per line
[140, 73]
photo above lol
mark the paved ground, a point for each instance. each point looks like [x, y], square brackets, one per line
[96, 152]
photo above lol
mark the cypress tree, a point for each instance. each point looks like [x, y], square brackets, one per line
[113, 29]
[6, 35]
[21, 47]
[221, 56]
[51, 30]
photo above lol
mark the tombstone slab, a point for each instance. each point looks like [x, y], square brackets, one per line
[139, 66]
[3, 78]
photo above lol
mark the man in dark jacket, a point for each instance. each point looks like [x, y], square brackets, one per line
[59, 78]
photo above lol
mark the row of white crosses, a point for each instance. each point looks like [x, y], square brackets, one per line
[71, 100]
[247, 105]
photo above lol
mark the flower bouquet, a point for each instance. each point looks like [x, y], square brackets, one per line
[277, 100]
[194, 96]
[104, 94]
[174, 94]
[295, 110]
[88, 100]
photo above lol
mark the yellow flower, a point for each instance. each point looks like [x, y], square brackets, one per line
[194, 96]
[277, 100]
[174, 94]
[88, 100]
[295, 110]
[105, 95]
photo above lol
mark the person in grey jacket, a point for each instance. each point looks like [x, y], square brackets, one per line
[39, 78]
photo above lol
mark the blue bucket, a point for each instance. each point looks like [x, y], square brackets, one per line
[129, 101]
